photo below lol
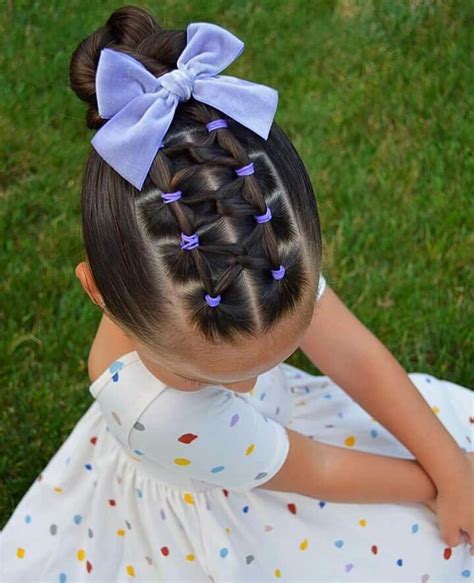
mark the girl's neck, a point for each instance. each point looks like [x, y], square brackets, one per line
[169, 378]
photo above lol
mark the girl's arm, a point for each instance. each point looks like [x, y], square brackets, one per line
[338, 474]
[346, 351]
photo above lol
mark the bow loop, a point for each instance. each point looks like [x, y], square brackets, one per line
[140, 107]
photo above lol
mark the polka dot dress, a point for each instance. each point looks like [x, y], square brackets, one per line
[155, 484]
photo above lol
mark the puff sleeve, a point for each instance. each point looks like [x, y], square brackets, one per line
[214, 435]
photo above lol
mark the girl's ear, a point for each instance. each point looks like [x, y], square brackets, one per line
[84, 274]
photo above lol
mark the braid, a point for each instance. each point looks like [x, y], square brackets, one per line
[216, 266]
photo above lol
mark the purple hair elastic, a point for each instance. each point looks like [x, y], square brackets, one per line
[213, 302]
[264, 218]
[278, 273]
[171, 196]
[189, 242]
[245, 170]
[216, 124]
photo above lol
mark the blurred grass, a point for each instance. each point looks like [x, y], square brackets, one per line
[375, 96]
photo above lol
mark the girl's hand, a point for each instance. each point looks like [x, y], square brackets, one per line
[454, 506]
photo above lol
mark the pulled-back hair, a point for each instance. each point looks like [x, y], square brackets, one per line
[153, 288]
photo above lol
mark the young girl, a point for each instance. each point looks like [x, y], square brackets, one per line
[204, 456]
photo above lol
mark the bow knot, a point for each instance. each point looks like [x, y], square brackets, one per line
[179, 82]
[140, 107]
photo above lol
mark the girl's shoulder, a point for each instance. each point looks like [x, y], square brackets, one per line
[113, 369]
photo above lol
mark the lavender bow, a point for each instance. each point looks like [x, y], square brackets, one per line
[140, 107]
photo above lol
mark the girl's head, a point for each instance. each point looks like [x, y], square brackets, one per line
[151, 287]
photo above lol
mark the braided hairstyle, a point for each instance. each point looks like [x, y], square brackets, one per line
[152, 287]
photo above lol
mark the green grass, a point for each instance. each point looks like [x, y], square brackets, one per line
[375, 97]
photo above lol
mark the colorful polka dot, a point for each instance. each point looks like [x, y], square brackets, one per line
[261, 475]
[88, 466]
[81, 554]
[250, 449]
[363, 522]
[339, 543]
[304, 544]
[277, 573]
[414, 528]
[120, 532]
[116, 418]
[187, 438]
[466, 573]
[165, 551]
[182, 461]
[20, 552]
[234, 419]
[130, 571]
[400, 562]
[62, 578]
[190, 557]
[373, 433]
[349, 441]
[188, 498]
[447, 553]
[217, 469]
[77, 518]
[27, 519]
[114, 369]
[245, 509]
[224, 552]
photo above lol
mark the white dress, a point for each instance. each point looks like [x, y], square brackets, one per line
[157, 484]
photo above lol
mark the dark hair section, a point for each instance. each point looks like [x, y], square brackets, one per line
[152, 287]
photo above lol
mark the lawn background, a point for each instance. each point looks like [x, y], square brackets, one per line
[375, 97]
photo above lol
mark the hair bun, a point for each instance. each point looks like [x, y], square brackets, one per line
[132, 29]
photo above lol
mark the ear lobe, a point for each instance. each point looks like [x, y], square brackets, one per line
[84, 274]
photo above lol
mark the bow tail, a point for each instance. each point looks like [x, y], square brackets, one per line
[250, 104]
[130, 140]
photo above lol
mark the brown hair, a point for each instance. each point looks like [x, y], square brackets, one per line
[132, 237]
